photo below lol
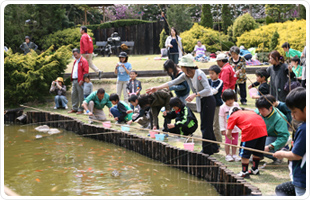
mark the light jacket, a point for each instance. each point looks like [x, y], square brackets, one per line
[168, 40]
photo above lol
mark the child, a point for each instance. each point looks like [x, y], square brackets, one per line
[185, 120]
[142, 116]
[122, 70]
[216, 88]
[229, 99]
[261, 80]
[60, 91]
[253, 135]
[87, 86]
[276, 127]
[280, 106]
[297, 69]
[296, 101]
[121, 111]
[290, 53]
[156, 101]
[133, 85]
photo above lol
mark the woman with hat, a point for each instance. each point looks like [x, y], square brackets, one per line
[60, 90]
[205, 101]
[122, 70]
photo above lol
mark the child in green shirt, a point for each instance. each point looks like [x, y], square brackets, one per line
[290, 53]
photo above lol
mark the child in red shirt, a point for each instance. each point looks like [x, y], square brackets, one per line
[253, 135]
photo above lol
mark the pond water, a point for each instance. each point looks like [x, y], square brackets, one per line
[67, 164]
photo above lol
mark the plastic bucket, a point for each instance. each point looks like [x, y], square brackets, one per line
[189, 146]
[153, 133]
[106, 124]
[160, 137]
[253, 92]
[125, 128]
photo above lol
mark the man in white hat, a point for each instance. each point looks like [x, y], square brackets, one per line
[227, 74]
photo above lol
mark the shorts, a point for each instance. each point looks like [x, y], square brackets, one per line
[258, 143]
[234, 141]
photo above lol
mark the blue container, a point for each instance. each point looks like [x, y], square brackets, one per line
[160, 137]
[125, 128]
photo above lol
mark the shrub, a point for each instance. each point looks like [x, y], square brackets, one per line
[28, 77]
[64, 37]
[269, 20]
[242, 24]
[293, 32]
[274, 41]
[210, 38]
[163, 36]
[118, 23]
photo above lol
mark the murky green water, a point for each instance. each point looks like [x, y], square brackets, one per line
[68, 164]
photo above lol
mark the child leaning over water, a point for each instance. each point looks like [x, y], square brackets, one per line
[121, 110]
[229, 99]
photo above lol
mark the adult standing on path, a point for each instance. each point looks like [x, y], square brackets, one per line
[278, 73]
[27, 45]
[80, 67]
[174, 45]
[86, 47]
[205, 101]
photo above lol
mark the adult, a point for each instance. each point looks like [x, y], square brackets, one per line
[205, 101]
[200, 52]
[95, 103]
[278, 73]
[86, 48]
[80, 67]
[239, 64]
[182, 89]
[60, 90]
[174, 45]
[27, 45]
[245, 53]
[227, 74]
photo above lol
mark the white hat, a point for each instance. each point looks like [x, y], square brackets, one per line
[233, 109]
[221, 56]
[187, 61]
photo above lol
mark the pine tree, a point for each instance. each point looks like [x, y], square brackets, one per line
[206, 17]
[162, 38]
[180, 21]
[226, 17]
[274, 41]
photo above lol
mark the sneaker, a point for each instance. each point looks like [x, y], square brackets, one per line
[228, 158]
[253, 172]
[244, 174]
[99, 74]
[66, 107]
[236, 158]
[55, 108]
[277, 162]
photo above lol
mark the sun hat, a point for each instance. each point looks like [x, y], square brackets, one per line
[221, 56]
[123, 55]
[187, 61]
[60, 79]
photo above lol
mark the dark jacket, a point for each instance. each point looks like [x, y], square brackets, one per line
[181, 89]
[217, 87]
[60, 92]
[137, 86]
[26, 47]
[264, 88]
[160, 98]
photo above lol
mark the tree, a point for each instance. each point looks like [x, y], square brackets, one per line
[274, 41]
[206, 17]
[302, 13]
[278, 11]
[162, 38]
[226, 17]
[182, 21]
[242, 24]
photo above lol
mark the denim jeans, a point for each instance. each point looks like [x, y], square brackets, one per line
[300, 191]
[115, 112]
[60, 100]
[174, 57]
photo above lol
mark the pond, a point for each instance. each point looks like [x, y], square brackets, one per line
[67, 164]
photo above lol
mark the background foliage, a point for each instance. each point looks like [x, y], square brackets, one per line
[243, 24]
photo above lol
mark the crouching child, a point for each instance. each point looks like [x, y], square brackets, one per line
[141, 116]
[121, 111]
[185, 120]
[253, 135]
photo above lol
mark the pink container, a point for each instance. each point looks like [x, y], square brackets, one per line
[153, 133]
[253, 92]
[106, 124]
[189, 146]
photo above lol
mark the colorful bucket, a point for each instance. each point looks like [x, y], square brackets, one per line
[160, 137]
[153, 133]
[125, 128]
[106, 124]
[253, 92]
[189, 146]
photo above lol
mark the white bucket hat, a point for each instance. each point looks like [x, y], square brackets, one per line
[187, 61]
[221, 56]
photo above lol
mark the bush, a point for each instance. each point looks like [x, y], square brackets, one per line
[293, 32]
[64, 37]
[269, 20]
[242, 24]
[28, 77]
[118, 23]
[163, 36]
[208, 37]
[274, 41]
